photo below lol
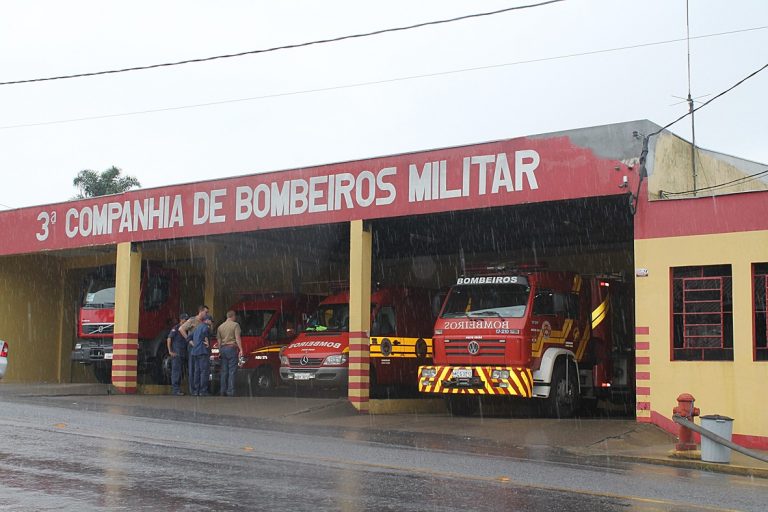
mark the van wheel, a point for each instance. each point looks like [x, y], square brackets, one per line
[103, 373]
[265, 380]
[564, 398]
[463, 405]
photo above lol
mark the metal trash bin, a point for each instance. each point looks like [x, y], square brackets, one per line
[723, 427]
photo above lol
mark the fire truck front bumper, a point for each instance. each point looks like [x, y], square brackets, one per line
[476, 380]
[87, 351]
[333, 376]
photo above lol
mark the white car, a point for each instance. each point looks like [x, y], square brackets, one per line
[3, 357]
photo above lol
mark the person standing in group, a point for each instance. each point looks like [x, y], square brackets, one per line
[230, 350]
[177, 350]
[199, 355]
[186, 330]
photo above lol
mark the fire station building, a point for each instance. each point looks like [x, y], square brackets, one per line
[685, 229]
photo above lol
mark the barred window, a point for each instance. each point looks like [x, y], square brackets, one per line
[760, 291]
[702, 313]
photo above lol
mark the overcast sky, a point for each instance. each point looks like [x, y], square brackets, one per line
[348, 121]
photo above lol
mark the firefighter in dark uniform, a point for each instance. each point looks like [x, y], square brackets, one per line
[177, 349]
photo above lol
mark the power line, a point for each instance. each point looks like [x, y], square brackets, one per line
[732, 183]
[691, 111]
[374, 82]
[285, 47]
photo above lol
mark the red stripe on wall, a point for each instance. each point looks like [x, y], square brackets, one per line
[126, 336]
[124, 379]
[360, 373]
[124, 367]
[359, 385]
[125, 357]
[643, 391]
[643, 376]
[642, 345]
[358, 334]
[358, 399]
[642, 330]
[747, 211]
[125, 346]
[643, 406]
[359, 360]
[642, 360]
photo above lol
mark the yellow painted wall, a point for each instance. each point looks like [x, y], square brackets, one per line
[731, 388]
[31, 317]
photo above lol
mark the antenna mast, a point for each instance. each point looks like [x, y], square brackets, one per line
[690, 98]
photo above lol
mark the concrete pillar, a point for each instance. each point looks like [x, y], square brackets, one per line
[359, 314]
[125, 346]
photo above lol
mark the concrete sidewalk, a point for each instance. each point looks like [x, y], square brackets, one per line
[601, 441]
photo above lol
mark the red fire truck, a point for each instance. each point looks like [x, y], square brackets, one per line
[96, 321]
[401, 328]
[268, 322]
[526, 333]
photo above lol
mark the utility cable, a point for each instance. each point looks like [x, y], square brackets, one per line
[376, 82]
[285, 47]
[737, 181]
[691, 111]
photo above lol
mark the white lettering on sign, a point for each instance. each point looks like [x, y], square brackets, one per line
[476, 324]
[327, 344]
[139, 215]
[432, 180]
[491, 280]
[317, 194]
[300, 194]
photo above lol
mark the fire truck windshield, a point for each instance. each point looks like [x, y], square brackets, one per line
[330, 317]
[507, 301]
[99, 294]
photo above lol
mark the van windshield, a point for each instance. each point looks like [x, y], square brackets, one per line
[483, 300]
[330, 317]
[253, 322]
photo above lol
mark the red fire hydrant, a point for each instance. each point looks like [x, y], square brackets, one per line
[685, 409]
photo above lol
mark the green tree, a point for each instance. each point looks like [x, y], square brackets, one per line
[94, 184]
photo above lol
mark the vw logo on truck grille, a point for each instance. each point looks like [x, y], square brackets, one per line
[473, 347]
[304, 361]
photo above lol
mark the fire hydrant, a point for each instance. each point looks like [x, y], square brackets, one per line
[685, 409]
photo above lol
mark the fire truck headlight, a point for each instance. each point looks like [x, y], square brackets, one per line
[500, 374]
[284, 360]
[335, 360]
[428, 373]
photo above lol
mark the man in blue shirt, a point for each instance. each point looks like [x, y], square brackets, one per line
[199, 355]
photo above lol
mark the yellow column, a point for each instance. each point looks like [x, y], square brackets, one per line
[359, 314]
[209, 297]
[125, 345]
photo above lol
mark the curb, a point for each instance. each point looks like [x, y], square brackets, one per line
[713, 467]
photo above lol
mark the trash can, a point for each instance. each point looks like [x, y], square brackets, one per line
[723, 427]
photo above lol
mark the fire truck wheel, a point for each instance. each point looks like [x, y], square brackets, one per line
[103, 373]
[161, 367]
[564, 396]
[463, 405]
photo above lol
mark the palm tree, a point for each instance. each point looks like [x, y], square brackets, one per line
[94, 184]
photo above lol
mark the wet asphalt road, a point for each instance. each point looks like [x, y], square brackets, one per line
[65, 458]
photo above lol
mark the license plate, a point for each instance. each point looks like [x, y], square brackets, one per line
[108, 355]
[462, 373]
[302, 376]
